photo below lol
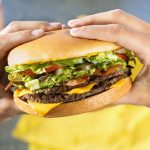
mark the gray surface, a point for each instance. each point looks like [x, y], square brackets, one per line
[62, 10]
[59, 10]
[6, 141]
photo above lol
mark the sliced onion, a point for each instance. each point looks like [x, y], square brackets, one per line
[59, 71]
[121, 51]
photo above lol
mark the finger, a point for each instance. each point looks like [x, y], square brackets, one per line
[129, 39]
[55, 26]
[116, 16]
[11, 40]
[65, 26]
[30, 25]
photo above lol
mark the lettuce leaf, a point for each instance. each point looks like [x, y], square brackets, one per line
[49, 80]
[18, 77]
[71, 68]
[102, 60]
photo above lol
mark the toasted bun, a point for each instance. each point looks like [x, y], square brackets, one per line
[89, 104]
[57, 45]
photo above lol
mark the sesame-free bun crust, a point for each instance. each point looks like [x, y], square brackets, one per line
[89, 104]
[56, 45]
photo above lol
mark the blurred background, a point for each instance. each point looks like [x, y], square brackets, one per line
[60, 11]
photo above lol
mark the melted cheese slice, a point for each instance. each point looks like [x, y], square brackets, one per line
[21, 92]
[118, 84]
[42, 109]
[39, 108]
[81, 90]
[92, 54]
[88, 87]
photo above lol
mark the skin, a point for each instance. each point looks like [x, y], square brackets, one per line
[126, 30]
[16, 33]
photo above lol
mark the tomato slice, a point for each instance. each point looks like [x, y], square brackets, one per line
[8, 86]
[122, 56]
[77, 81]
[52, 68]
[111, 70]
[29, 72]
[98, 72]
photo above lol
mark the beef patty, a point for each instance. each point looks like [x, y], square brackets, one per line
[57, 95]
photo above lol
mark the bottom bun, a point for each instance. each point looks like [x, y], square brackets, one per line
[89, 104]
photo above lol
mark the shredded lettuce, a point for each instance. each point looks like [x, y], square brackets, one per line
[102, 60]
[70, 69]
[48, 80]
[39, 68]
[18, 77]
[106, 60]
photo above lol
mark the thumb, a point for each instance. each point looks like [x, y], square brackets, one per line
[119, 34]
[11, 40]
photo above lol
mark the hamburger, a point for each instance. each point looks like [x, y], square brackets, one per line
[60, 75]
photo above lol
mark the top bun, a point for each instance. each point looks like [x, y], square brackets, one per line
[57, 45]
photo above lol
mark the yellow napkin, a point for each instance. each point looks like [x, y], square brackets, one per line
[120, 127]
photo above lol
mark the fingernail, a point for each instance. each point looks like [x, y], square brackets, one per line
[54, 24]
[37, 32]
[72, 22]
[74, 31]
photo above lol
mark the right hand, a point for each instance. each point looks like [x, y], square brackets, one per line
[126, 30]
[14, 34]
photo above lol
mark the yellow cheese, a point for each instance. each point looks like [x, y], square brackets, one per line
[92, 54]
[39, 108]
[42, 109]
[118, 84]
[21, 92]
[81, 90]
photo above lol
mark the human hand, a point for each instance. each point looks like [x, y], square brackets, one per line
[14, 34]
[128, 31]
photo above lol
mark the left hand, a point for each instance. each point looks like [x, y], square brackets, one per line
[14, 34]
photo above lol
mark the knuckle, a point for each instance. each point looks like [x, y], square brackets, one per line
[118, 28]
[83, 28]
[43, 25]
[21, 36]
[86, 29]
[92, 18]
[25, 34]
[13, 24]
[116, 13]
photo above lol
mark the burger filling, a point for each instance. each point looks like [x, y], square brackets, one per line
[70, 79]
